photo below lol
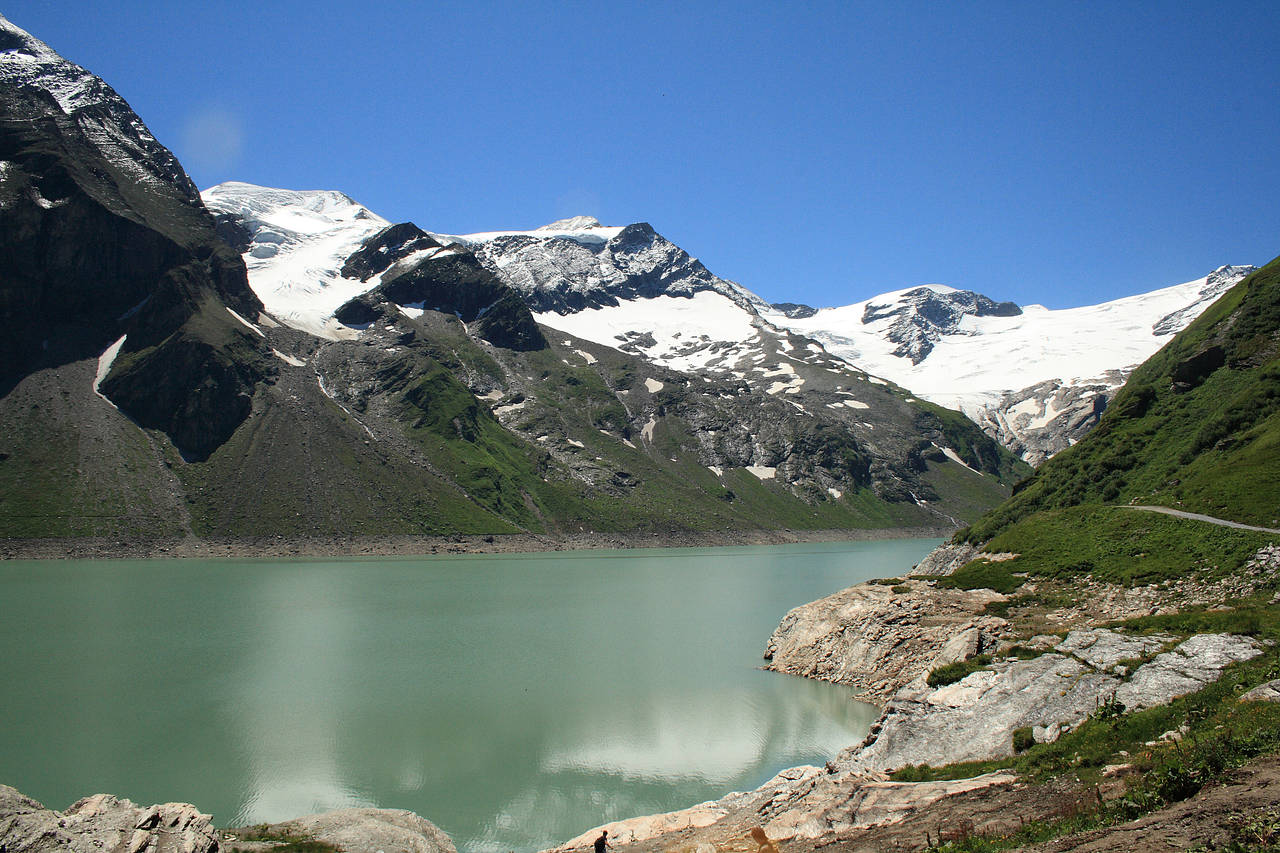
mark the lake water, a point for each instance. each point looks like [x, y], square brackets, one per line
[513, 700]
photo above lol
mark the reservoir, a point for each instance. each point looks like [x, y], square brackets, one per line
[513, 700]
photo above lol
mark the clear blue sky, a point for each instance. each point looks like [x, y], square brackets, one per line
[1062, 153]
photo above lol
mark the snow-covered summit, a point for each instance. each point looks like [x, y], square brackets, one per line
[582, 229]
[298, 241]
[572, 223]
[25, 61]
[37, 81]
[1023, 373]
[597, 266]
[980, 354]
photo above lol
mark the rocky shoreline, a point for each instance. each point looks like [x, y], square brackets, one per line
[388, 546]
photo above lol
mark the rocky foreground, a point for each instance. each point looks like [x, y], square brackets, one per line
[107, 824]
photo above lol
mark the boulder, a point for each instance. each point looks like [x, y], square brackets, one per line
[878, 641]
[366, 830]
[1269, 692]
[102, 824]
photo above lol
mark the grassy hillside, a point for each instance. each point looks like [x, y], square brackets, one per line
[1197, 428]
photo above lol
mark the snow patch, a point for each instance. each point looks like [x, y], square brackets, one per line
[105, 361]
[575, 443]
[690, 333]
[586, 356]
[288, 359]
[653, 385]
[246, 323]
[763, 472]
[955, 457]
[835, 493]
[646, 431]
[583, 229]
[716, 469]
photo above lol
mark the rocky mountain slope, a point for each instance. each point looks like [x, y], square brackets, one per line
[105, 239]
[1034, 379]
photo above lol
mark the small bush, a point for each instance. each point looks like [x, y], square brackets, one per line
[983, 574]
[1023, 739]
[952, 672]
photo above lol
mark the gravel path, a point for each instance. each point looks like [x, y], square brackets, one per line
[1198, 517]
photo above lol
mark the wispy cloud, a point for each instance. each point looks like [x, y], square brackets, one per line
[212, 139]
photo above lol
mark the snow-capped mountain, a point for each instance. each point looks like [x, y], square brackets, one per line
[1032, 377]
[771, 402]
[294, 244]
[577, 263]
[30, 68]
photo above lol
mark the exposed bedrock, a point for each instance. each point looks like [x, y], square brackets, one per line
[877, 640]
[106, 824]
[102, 824]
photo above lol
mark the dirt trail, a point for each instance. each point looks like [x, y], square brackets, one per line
[1195, 516]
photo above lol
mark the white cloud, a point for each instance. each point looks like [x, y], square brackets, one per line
[212, 139]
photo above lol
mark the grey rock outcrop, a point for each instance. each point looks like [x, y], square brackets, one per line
[102, 824]
[945, 559]
[923, 316]
[974, 718]
[371, 831]
[1042, 419]
[799, 803]
[1269, 692]
[106, 824]
[1194, 663]
[876, 640]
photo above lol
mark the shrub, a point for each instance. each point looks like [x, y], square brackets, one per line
[952, 672]
[1023, 739]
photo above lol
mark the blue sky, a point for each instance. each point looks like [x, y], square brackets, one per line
[1061, 153]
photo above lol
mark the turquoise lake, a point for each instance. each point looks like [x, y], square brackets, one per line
[513, 700]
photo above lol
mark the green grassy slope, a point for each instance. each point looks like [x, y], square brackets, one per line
[1197, 427]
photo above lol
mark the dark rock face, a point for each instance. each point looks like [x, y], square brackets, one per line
[1193, 370]
[794, 310]
[385, 248]
[923, 316]
[103, 235]
[452, 284]
[566, 275]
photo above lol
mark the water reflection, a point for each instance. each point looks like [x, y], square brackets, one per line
[514, 701]
[289, 708]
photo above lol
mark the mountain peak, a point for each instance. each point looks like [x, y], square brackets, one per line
[572, 223]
